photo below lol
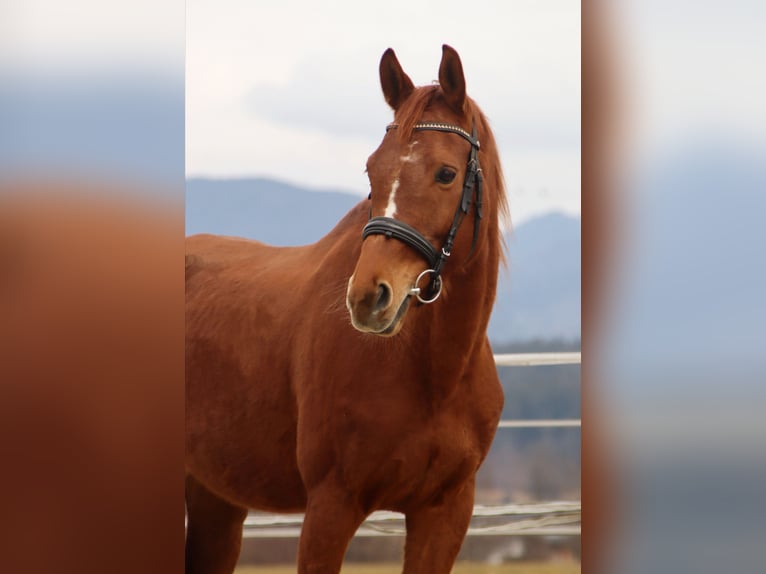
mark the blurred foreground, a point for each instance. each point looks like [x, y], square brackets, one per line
[91, 378]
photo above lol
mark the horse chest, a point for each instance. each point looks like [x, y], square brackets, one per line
[400, 459]
[397, 441]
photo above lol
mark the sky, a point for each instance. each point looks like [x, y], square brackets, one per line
[689, 71]
[290, 90]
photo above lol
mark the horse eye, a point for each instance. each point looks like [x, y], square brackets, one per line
[445, 175]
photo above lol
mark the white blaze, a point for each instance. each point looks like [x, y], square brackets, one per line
[391, 206]
[410, 155]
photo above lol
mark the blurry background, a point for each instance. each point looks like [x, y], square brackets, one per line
[682, 348]
[93, 90]
[91, 286]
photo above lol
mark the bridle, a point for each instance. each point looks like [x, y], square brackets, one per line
[472, 185]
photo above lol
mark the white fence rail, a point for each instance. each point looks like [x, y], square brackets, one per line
[536, 359]
[557, 518]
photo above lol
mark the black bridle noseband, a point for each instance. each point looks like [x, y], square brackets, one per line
[472, 185]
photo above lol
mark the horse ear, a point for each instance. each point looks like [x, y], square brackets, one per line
[396, 85]
[452, 80]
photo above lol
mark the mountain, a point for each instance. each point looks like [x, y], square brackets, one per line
[270, 211]
[538, 295]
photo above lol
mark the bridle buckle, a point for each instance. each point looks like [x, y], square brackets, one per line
[416, 291]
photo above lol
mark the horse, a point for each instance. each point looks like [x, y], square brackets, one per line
[354, 374]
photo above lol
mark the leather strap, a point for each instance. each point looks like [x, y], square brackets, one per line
[404, 232]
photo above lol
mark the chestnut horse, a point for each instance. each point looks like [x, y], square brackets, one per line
[320, 380]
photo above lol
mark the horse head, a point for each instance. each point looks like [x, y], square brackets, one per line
[425, 178]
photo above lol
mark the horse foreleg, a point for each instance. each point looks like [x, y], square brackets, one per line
[213, 531]
[435, 533]
[329, 524]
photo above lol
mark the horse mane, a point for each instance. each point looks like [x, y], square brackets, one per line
[426, 97]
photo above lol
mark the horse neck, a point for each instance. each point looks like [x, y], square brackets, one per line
[456, 325]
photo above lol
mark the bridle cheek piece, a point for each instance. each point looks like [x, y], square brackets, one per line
[472, 186]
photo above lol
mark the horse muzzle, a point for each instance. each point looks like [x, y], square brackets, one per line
[373, 309]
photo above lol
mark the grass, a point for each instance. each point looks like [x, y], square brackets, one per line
[460, 568]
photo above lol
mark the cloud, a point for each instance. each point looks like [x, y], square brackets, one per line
[321, 97]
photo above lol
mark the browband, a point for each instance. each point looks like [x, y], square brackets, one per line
[439, 127]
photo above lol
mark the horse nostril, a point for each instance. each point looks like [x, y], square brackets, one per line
[384, 297]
